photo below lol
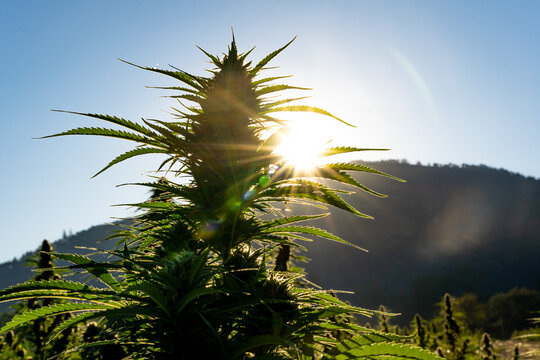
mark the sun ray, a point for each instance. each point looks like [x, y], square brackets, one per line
[303, 144]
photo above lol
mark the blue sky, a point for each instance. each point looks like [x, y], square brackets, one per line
[437, 82]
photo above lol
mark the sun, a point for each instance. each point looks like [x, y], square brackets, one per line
[302, 145]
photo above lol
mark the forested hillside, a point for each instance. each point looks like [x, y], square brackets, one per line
[18, 270]
[449, 228]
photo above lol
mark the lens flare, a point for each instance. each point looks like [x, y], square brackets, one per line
[302, 146]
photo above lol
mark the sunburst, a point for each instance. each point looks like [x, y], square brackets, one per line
[302, 145]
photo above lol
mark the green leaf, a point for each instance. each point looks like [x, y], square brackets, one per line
[362, 168]
[99, 296]
[189, 97]
[155, 294]
[293, 219]
[339, 176]
[74, 320]
[47, 284]
[99, 270]
[331, 305]
[184, 77]
[115, 120]
[311, 231]
[177, 88]
[371, 337]
[129, 311]
[330, 325]
[303, 188]
[272, 104]
[383, 351]
[56, 309]
[273, 88]
[130, 154]
[346, 149]
[267, 58]
[268, 79]
[108, 133]
[306, 108]
[214, 59]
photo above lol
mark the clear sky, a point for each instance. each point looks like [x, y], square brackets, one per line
[435, 81]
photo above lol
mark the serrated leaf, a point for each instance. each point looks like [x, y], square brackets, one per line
[45, 311]
[362, 168]
[99, 296]
[306, 108]
[370, 338]
[384, 351]
[293, 219]
[96, 131]
[267, 58]
[74, 320]
[177, 88]
[342, 177]
[178, 75]
[273, 88]
[311, 190]
[269, 105]
[346, 149]
[331, 305]
[154, 293]
[268, 79]
[342, 326]
[115, 120]
[129, 311]
[47, 284]
[130, 154]
[189, 97]
[99, 270]
[214, 59]
[310, 231]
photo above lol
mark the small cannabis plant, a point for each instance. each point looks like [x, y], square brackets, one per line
[194, 275]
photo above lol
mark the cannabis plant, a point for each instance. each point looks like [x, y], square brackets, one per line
[422, 337]
[194, 275]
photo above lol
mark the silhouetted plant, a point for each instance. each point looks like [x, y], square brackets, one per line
[194, 275]
[12, 346]
[34, 334]
[383, 320]
[486, 347]
[41, 327]
[450, 323]
[440, 352]
[422, 337]
[456, 342]
[445, 333]
[463, 350]
[282, 258]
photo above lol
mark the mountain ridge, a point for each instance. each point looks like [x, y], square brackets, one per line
[449, 228]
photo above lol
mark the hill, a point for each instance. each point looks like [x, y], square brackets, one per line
[17, 270]
[449, 228]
